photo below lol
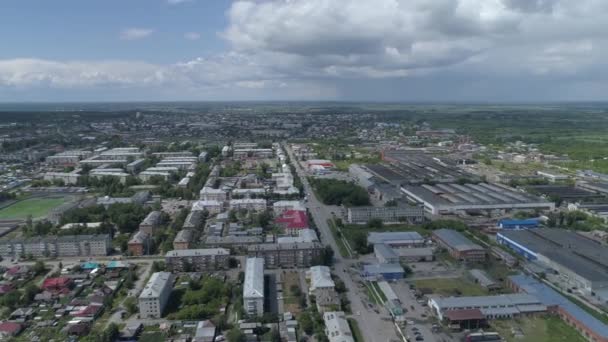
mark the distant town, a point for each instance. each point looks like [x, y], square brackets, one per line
[303, 222]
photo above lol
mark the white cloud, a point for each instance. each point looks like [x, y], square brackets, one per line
[192, 35]
[318, 47]
[135, 33]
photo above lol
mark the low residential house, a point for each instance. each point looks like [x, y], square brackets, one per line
[131, 332]
[205, 332]
[10, 329]
[44, 296]
[78, 329]
[89, 311]
[293, 221]
[17, 272]
[57, 285]
[22, 314]
[6, 288]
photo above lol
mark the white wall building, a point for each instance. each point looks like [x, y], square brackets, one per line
[253, 289]
[155, 295]
[336, 327]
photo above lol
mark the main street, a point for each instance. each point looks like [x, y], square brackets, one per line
[372, 327]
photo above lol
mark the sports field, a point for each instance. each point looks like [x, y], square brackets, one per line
[37, 207]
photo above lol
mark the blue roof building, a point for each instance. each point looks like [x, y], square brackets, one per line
[383, 271]
[570, 312]
[90, 265]
[518, 224]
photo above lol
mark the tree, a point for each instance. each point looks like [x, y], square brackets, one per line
[275, 336]
[110, 333]
[236, 335]
[131, 305]
[306, 323]
[39, 267]
[29, 293]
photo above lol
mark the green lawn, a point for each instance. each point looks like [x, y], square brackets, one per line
[354, 326]
[341, 246]
[537, 329]
[452, 287]
[37, 207]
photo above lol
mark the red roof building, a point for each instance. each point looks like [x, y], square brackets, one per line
[10, 328]
[59, 284]
[91, 311]
[465, 319]
[6, 288]
[293, 221]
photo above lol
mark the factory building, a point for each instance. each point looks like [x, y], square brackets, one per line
[518, 224]
[451, 198]
[459, 246]
[580, 262]
[362, 215]
[396, 239]
[385, 254]
[587, 325]
[492, 307]
[382, 272]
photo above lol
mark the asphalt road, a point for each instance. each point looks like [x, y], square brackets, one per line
[372, 327]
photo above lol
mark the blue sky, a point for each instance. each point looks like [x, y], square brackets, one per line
[80, 29]
[381, 50]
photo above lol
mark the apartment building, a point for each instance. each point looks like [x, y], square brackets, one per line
[183, 239]
[150, 223]
[155, 295]
[253, 204]
[207, 259]
[139, 244]
[253, 288]
[54, 246]
[287, 255]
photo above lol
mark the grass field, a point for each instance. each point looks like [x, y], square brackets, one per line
[537, 329]
[37, 207]
[452, 287]
[354, 326]
[339, 241]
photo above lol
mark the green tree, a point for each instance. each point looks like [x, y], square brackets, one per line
[39, 267]
[235, 335]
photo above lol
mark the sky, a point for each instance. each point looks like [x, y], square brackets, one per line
[351, 50]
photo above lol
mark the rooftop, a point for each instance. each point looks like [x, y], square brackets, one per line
[157, 283]
[550, 297]
[456, 240]
[197, 252]
[387, 237]
[254, 278]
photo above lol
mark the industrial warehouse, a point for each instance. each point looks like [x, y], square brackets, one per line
[581, 263]
[452, 198]
[407, 167]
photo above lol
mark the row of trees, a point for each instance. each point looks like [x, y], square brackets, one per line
[339, 192]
